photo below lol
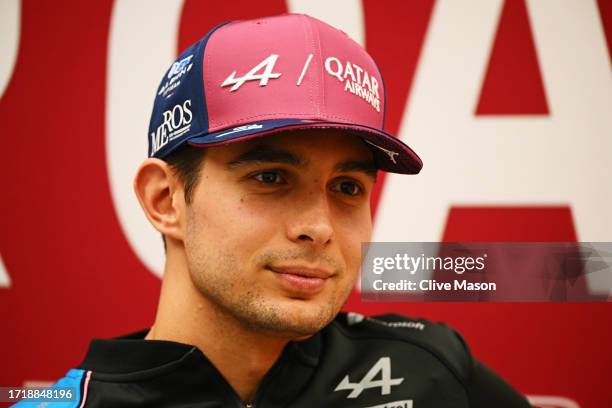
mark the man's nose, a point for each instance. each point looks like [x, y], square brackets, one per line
[311, 221]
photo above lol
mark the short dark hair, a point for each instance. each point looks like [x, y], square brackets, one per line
[186, 163]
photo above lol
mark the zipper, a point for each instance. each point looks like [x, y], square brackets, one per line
[282, 361]
[264, 383]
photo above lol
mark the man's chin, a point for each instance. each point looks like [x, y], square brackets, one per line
[296, 319]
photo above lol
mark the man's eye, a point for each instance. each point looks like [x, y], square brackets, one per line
[268, 177]
[348, 187]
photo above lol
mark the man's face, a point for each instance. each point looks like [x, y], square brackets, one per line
[273, 234]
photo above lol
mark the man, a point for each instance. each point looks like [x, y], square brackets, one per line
[264, 144]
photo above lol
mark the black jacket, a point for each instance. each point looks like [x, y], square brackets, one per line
[388, 361]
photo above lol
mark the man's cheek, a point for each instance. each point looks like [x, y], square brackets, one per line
[352, 260]
[354, 237]
[353, 254]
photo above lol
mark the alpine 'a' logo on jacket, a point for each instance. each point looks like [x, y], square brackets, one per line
[382, 366]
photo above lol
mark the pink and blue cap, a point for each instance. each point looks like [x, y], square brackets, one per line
[246, 79]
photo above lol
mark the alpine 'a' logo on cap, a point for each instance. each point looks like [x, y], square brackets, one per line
[252, 75]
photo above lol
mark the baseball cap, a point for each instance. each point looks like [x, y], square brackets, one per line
[250, 78]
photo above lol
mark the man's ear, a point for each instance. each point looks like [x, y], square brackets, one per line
[160, 193]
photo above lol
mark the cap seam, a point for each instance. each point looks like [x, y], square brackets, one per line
[320, 84]
[209, 101]
[309, 38]
[208, 83]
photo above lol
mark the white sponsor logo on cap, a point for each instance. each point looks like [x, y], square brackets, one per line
[176, 122]
[357, 80]
[240, 129]
[390, 153]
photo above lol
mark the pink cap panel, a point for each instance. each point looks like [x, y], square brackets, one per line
[253, 71]
[352, 83]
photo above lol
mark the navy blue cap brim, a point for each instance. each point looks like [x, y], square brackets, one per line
[390, 153]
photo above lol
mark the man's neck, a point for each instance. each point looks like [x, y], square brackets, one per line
[241, 355]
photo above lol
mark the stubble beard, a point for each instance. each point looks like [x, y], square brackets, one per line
[252, 309]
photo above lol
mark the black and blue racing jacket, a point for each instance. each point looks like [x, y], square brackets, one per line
[387, 361]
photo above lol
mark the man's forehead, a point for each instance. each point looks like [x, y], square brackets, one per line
[300, 148]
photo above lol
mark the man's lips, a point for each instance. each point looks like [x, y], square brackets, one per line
[304, 271]
[301, 279]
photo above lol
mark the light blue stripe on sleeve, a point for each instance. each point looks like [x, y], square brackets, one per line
[71, 380]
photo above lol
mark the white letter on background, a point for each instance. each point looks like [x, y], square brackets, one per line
[142, 45]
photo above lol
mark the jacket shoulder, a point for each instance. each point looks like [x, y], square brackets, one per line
[70, 387]
[438, 339]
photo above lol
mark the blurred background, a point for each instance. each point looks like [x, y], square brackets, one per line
[508, 102]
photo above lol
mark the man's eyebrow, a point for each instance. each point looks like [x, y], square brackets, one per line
[270, 154]
[365, 166]
[267, 154]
